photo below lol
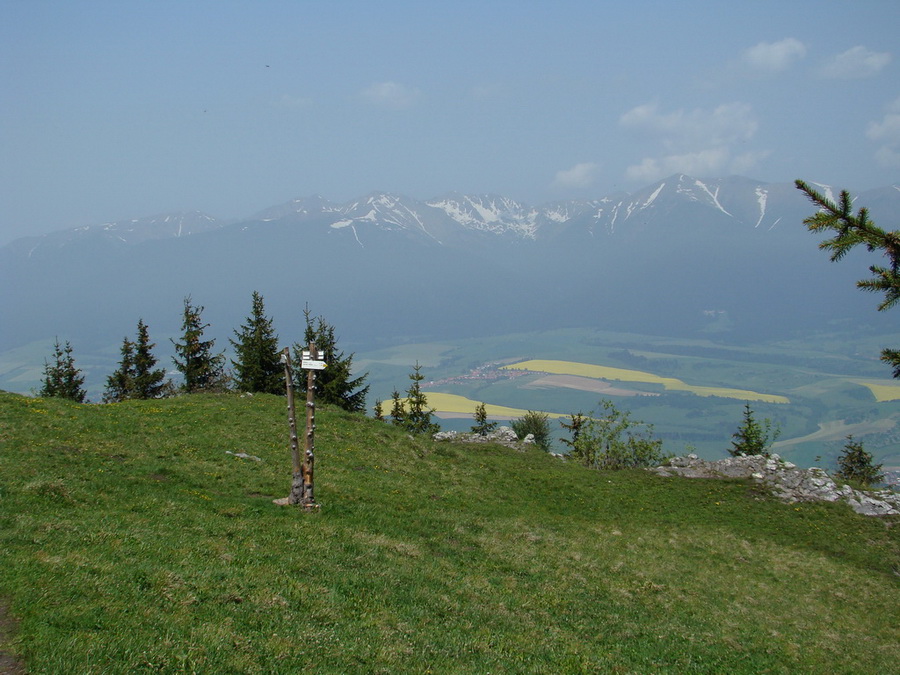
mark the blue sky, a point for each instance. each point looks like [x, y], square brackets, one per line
[112, 110]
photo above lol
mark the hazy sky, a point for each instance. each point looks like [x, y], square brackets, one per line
[112, 110]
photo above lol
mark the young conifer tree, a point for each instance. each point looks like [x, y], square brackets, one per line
[855, 464]
[752, 437]
[62, 379]
[482, 427]
[258, 367]
[398, 411]
[201, 367]
[137, 376]
[120, 385]
[149, 381]
[335, 384]
[418, 414]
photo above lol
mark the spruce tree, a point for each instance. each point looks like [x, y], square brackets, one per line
[258, 366]
[752, 437]
[120, 385]
[201, 367]
[149, 381]
[855, 464]
[335, 384]
[853, 230]
[398, 412]
[62, 379]
[137, 376]
[417, 418]
[482, 427]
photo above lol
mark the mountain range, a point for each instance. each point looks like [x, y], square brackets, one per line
[681, 256]
[452, 219]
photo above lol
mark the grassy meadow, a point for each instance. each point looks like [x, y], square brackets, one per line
[131, 541]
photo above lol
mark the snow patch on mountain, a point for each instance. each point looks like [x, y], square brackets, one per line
[712, 195]
[490, 213]
[761, 199]
[653, 197]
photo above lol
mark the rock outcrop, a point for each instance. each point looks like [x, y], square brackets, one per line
[502, 435]
[785, 480]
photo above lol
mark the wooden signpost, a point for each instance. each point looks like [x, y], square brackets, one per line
[302, 482]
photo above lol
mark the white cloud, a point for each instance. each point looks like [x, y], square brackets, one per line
[723, 125]
[390, 95]
[887, 134]
[746, 162]
[696, 142]
[774, 56]
[579, 176]
[701, 163]
[856, 63]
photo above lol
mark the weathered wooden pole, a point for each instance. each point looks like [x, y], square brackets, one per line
[309, 455]
[302, 478]
[297, 491]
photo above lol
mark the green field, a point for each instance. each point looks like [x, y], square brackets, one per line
[132, 541]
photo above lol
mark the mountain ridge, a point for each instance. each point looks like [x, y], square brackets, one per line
[446, 219]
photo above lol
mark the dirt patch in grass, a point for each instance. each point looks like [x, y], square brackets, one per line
[9, 664]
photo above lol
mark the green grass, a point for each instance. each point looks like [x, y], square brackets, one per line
[130, 541]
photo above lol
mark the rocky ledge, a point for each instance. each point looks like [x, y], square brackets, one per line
[502, 435]
[785, 480]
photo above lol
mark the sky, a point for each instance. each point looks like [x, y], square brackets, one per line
[125, 109]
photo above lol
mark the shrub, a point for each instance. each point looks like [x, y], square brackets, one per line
[536, 423]
[612, 440]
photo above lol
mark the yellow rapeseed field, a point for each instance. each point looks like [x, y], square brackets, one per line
[883, 392]
[625, 375]
[454, 404]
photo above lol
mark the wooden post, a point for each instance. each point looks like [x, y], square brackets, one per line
[302, 478]
[297, 492]
[309, 455]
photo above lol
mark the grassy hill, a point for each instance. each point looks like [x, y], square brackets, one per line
[131, 541]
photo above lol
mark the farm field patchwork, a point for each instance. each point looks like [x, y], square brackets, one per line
[692, 390]
[625, 375]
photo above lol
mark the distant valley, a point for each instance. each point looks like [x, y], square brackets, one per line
[724, 261]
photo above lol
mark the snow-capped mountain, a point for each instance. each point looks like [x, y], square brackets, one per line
[455, 219]
[126, 232]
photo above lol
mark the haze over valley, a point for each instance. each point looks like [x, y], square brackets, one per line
[713, 283]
